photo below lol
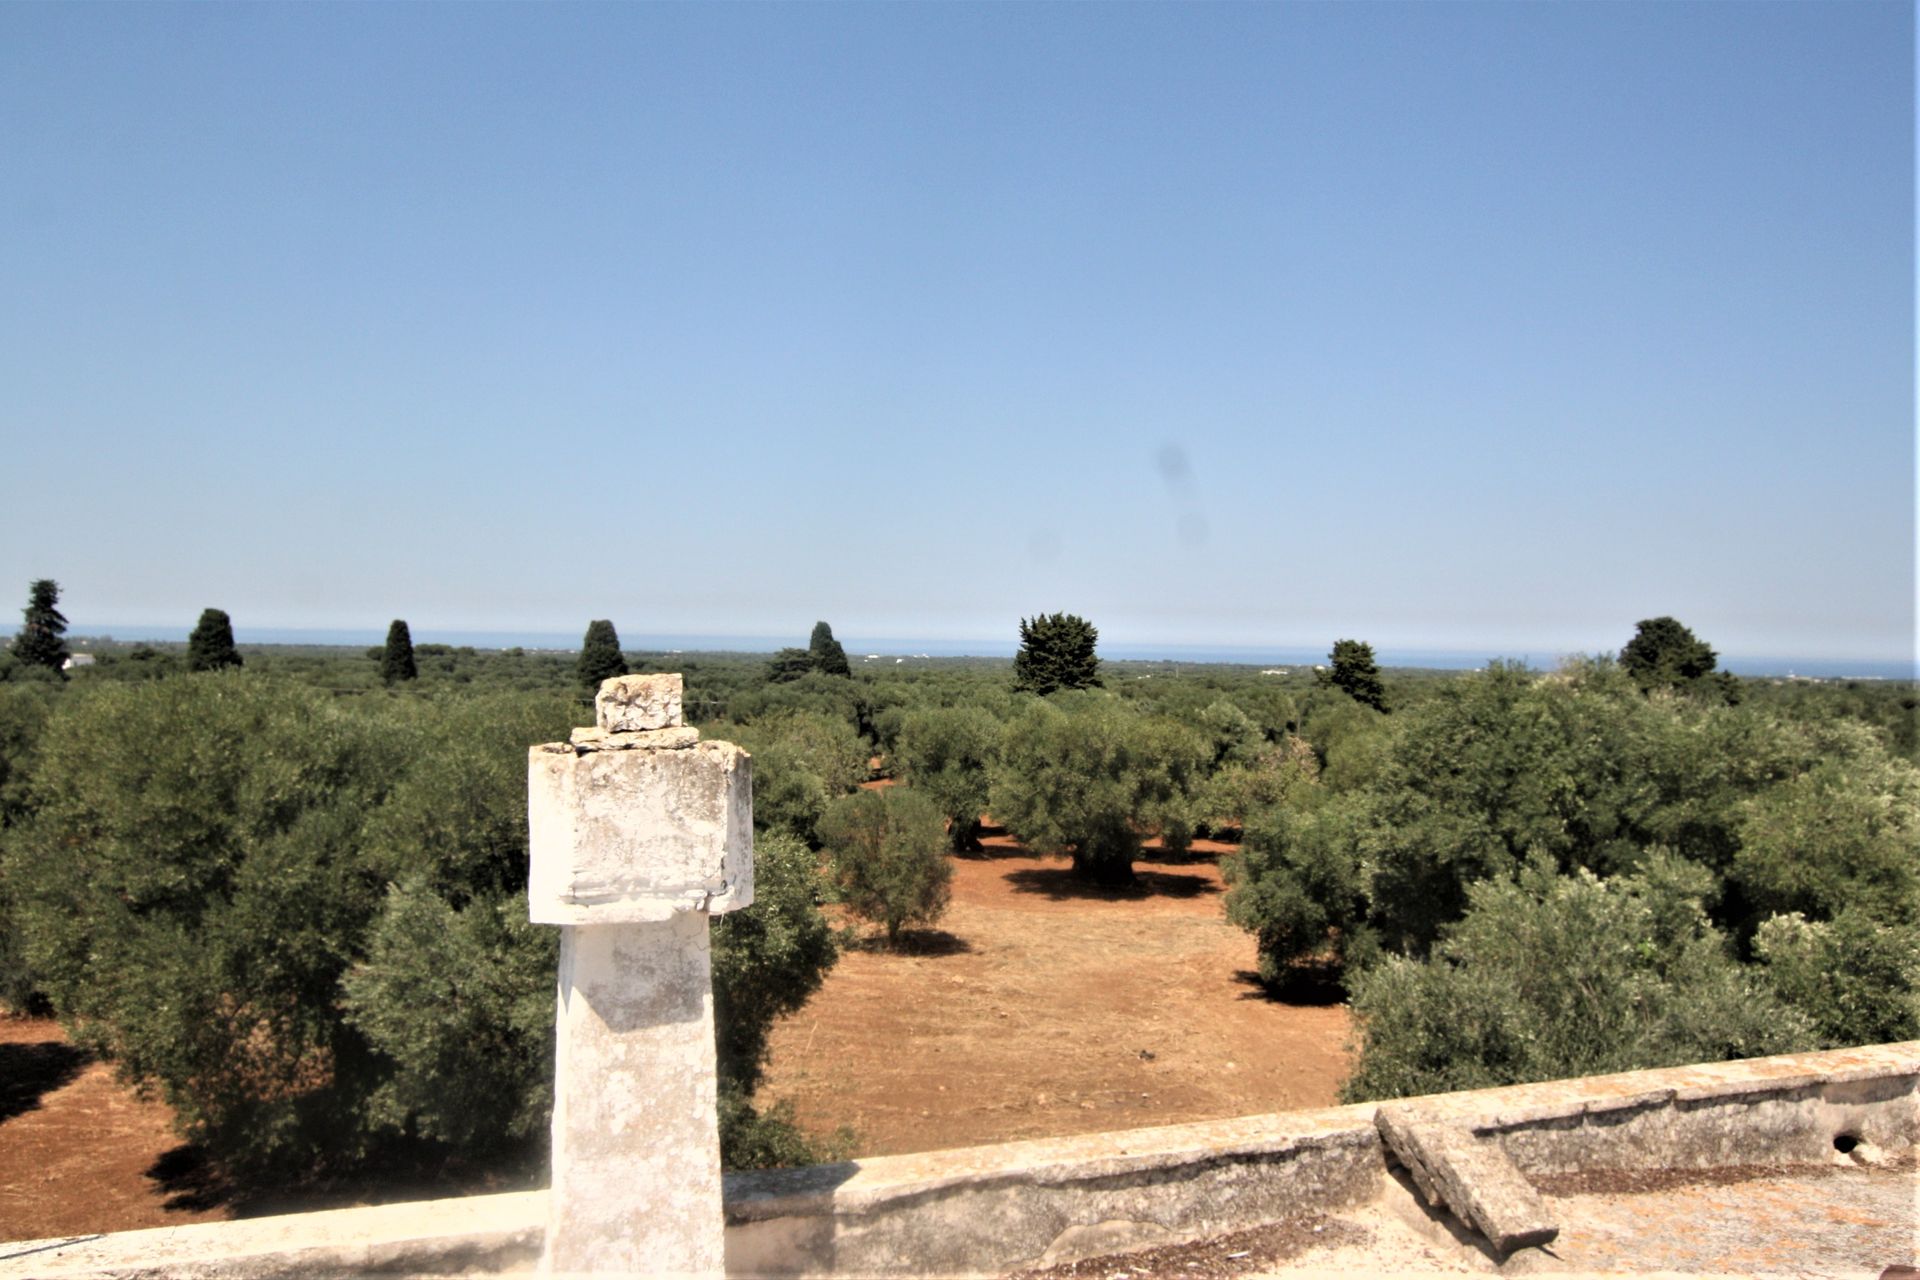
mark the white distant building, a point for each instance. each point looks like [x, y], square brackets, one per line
[77, 660]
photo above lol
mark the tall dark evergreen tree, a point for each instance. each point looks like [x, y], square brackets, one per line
[1056, 652]
[39, 643]
[396, 662]
[600, 656]
[1355, 674]
[828, 657]
[210, 647]
[1663, 652]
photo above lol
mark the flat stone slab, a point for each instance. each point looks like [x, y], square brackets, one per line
[594, 738]
[1468, 1176]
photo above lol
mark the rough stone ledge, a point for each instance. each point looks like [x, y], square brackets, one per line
[1530, 1105]
[472, 1235]
[884, 1182]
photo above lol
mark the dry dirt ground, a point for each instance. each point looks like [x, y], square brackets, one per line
[76, 1147]
[1040, 1006]
[1043, 1006]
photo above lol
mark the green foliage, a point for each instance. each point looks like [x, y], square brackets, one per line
[1840, 836]
[24, 710]
[39, 643]
[210, 646]
[1278, 774]
[1056, 652]
[1857, 980]
[460, 1003]
[888, 857]
[304, 920]
[1549, 976]
[1087, 777]
[801, 762]
[829, 659]
[600, 656]
[396, 659]
[1502, 765]
[188, 896]
[789, 664]
[947, 754]
[767, 961]
[1665, 654]
[1355, 674]
[1297, 885]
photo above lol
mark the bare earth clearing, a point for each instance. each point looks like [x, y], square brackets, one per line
[76, 1146]
[1040, 1006]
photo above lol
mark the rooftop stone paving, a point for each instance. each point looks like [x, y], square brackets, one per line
[1840, 1220]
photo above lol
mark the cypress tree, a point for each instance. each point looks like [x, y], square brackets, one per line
[828, 657]
[39, 643]
[600, 656]
[396, 662]
[210, 647]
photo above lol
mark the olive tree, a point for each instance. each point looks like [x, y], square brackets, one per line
[888, 854]
[947, 754]
[1548, 976]
[1088, 777]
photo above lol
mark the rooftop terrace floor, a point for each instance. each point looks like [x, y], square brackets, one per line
[1840, 1220]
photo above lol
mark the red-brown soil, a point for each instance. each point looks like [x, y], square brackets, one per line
[76, 1146]
[1043, 1006]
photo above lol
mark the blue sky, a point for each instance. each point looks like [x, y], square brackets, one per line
[1445, 326]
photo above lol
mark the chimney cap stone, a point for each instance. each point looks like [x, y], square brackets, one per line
[634, 704]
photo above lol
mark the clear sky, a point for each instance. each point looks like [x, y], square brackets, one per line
[1438, 325]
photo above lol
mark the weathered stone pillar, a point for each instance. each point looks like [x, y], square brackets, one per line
[638, 832]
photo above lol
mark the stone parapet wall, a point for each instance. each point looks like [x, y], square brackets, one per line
[988, 1210]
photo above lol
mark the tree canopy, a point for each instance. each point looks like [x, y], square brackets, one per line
[1056, 652]
[210, 647]
[1087, 777]
[888, 854]
[947, 754]
[829, 658]
[1355, 674]
[396, 661]
[600, 656]
[39, 643]
[1665, 653]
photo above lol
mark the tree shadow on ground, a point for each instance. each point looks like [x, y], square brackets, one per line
[913, 942]
[1061, 884]
[29, 1072]
[1002, 846]
[417, 1170]
[1301, 984]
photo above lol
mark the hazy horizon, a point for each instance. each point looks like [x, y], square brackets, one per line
[889, 647]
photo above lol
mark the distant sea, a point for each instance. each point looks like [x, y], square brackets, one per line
[859, 647]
